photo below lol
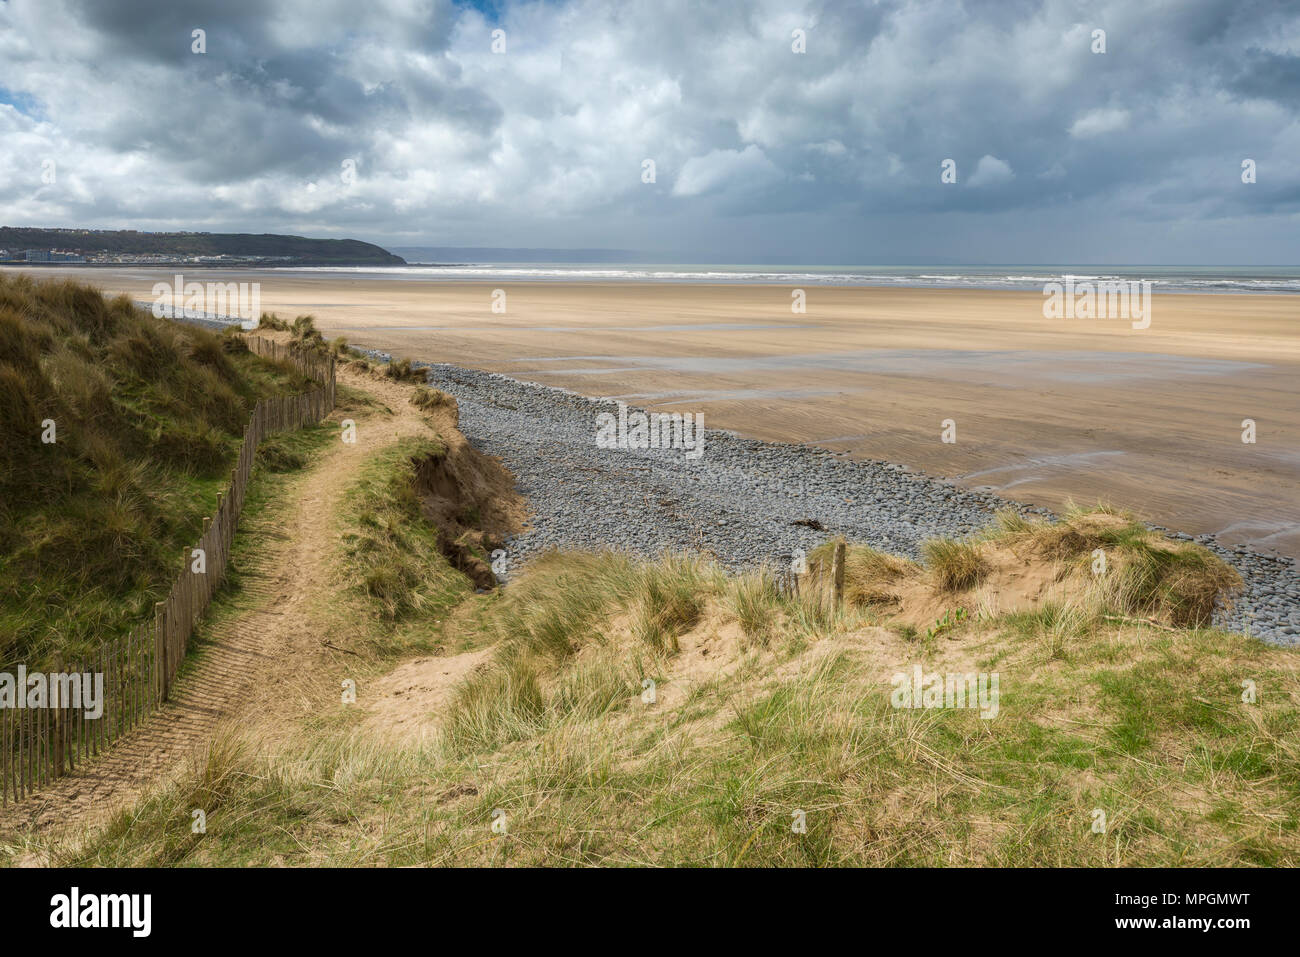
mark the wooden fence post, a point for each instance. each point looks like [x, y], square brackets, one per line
[160, 618]
[837, 574]
[59, 722]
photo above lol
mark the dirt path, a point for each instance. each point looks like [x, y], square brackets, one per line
[254, 660]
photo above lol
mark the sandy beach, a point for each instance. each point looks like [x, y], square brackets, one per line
[1046, 410]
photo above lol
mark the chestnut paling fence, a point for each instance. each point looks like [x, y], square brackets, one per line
[42, 743]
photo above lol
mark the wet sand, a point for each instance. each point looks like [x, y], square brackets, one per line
[1046, 410]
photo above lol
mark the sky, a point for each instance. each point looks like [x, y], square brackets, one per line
[411, 122]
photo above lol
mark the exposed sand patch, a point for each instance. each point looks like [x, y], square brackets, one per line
[1014, 582]
[713, 649]
[405, 703]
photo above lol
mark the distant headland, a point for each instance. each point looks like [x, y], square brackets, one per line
[129, 246]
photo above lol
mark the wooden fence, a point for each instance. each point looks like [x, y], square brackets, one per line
[827, 588]
[39, 744]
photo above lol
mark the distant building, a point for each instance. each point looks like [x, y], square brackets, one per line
[48, 256]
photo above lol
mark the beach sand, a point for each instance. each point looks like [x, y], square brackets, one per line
[1046, 410]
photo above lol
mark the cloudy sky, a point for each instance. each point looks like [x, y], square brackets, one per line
[396, 121]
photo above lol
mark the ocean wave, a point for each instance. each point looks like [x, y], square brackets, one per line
[1180, 280]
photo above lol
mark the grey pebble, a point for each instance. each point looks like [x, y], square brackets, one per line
[740, 500]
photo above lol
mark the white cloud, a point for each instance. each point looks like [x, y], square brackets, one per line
[1099, 122]
[730, 170]
[991, 171]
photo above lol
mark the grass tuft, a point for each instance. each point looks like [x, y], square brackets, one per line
[956, 566]
[1137, 571]
[401, 370]
[430, 400]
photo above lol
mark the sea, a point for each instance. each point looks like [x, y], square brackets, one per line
[1184, 279]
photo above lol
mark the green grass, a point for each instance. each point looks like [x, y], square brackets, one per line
[269, 489]
[1186, 773]
[396, 570]
[579, 632]
[792, 723]
[148, 417]
[956, 566]
[751, 601]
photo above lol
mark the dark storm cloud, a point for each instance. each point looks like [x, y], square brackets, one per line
[1270, 76]
[837, 151]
